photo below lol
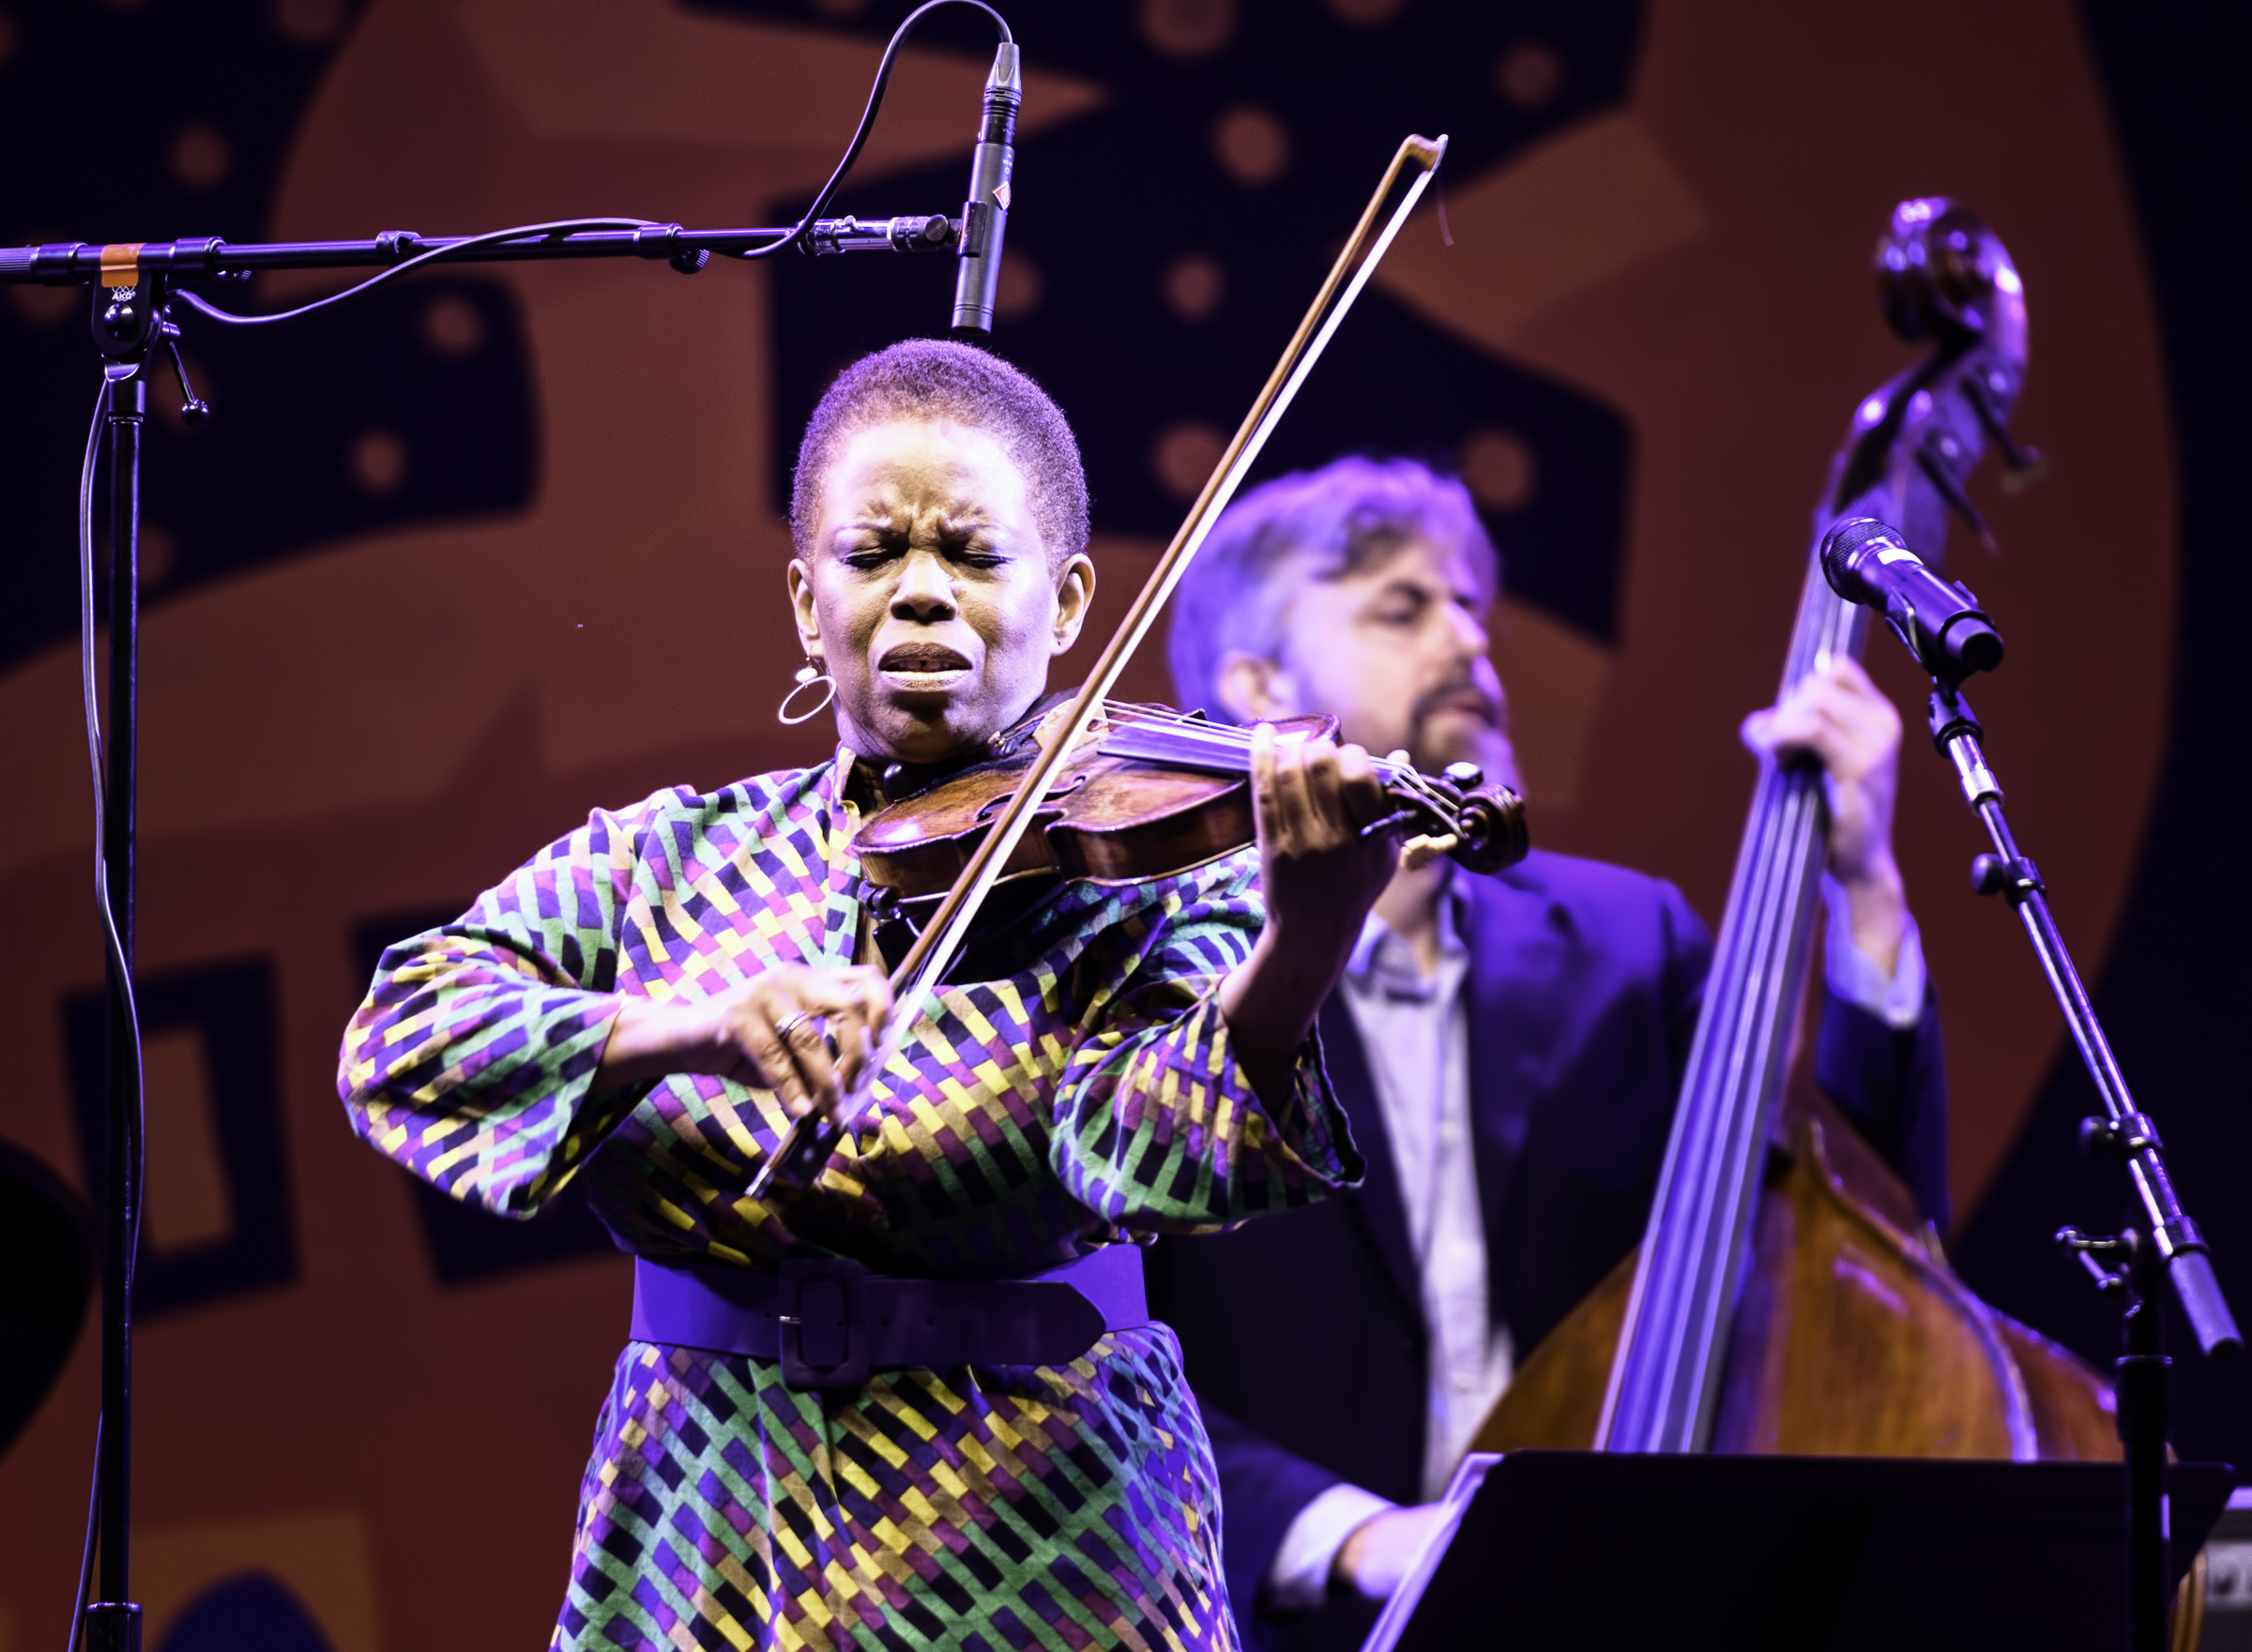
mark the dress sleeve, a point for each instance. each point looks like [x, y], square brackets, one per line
[1157, 1127]
[472, 1060]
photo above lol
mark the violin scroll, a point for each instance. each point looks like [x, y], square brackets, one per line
[1486, 821]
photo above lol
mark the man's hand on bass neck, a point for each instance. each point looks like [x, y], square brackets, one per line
[1837, 714]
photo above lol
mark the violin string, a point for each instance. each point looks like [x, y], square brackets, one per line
[1227, 737]
[1196, 731]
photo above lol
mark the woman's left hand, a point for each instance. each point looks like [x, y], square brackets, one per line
[1311, 800]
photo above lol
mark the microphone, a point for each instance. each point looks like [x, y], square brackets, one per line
[985, 216]
[1868, 563]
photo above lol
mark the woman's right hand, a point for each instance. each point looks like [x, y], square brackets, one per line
[770, 1032]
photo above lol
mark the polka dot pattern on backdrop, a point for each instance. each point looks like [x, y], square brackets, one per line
[1195, 285]
[1185, 456]
[1528, 75]
[1186, 29]
[200, 156]
[1251, 145]
[378, 461]
[1501, 469]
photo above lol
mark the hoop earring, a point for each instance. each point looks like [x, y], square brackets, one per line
[808, 674]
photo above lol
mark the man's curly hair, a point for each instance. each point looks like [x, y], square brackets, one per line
[931, 379]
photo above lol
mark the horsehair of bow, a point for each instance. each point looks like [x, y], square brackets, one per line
[941, 939]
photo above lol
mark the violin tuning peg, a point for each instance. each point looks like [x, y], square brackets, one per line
[1469, 777]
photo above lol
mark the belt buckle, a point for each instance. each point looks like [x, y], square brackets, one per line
[823, 1307]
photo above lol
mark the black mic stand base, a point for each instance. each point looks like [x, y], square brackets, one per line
[113, 1626]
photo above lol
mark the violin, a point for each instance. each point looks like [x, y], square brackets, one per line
[1149, 791]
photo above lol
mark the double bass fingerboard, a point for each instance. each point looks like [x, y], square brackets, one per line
[1666, 1381]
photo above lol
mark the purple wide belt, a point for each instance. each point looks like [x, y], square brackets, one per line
[831, 1322]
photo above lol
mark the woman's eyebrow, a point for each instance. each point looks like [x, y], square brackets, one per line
[872, 513]
[962, 524]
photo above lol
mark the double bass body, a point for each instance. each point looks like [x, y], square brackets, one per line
[1853, 1337]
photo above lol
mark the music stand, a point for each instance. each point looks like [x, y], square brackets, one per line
[1604, 1550]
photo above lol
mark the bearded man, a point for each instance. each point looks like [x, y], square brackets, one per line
[1508, 1049]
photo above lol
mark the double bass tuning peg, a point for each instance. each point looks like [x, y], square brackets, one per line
[2022, 466]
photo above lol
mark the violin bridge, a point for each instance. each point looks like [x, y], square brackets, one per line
[1045, 734]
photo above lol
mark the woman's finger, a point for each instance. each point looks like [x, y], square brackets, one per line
[808, 1044]
[875, 1014]
[852, 1006]
[1328, 818]
[1262, 781]
[761, 1040]
[854, 1028]
[1293, 822]
[1363, 792]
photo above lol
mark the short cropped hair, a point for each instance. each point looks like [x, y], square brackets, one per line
[1321, 524]
[931, 379]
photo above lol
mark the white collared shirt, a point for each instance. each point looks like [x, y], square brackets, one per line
[1415, 1031]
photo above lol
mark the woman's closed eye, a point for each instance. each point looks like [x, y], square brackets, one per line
[876, 547]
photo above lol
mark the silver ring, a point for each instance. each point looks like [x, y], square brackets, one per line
[791, 1023]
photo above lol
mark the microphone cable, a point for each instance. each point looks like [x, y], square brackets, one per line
[565, 226]
[135, 1114]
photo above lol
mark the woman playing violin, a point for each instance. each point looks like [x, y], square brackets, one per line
[920, 1402]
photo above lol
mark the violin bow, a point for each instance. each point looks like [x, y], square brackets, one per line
[806, 1147]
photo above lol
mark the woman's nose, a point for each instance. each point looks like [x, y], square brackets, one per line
[924, 592]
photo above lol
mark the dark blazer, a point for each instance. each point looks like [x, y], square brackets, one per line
[1303, 1333]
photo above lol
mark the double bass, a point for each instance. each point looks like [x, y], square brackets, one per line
[1789, 1295]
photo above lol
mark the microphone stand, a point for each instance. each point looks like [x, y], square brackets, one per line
[60, 264]
[2161, 1245]
[132, 286]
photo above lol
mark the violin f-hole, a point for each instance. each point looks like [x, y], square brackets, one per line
[993, 805]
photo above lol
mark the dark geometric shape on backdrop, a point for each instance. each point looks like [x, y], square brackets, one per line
[48, 1265]
[437, 366]
[273, 472]
[342, 423]
[1107, 203]
[251, 1609]
[233, 1007]
[468, 1242]
[1403, 388]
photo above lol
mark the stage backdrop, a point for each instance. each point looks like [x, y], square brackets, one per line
[465, 559]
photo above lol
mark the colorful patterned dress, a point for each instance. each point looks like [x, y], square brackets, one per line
[1080, 1090]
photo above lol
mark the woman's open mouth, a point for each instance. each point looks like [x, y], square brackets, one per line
[923, 665]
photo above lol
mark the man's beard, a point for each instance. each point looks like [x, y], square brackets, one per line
[1486, 745]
